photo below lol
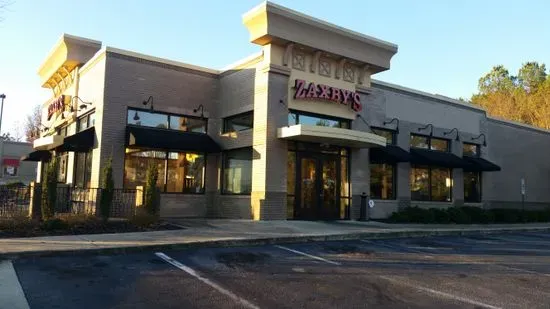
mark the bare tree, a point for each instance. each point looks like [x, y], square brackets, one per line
[32, 123]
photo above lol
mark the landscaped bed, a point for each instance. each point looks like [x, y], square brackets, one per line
[468, 215]
[78, 225]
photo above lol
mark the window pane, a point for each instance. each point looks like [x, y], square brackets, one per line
[238, 171]
[91, 121]
[290, 207]
[344, 208]
[385, 133]
[80, 167]
[88, 171]
[187, 124]
[472, 187]
[135, 167]
[381, 181]
[419, 141]
[471, 150]
[62, 161]
[317, 121]
[439, 144]
[292, 119]
[147, 119]
[194, 173]
[239, 123]
[291, 173]
[441, 184]
[420, 184]
[344, 185]
[10, 170]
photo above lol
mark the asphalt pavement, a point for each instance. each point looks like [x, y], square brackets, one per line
[492, 271]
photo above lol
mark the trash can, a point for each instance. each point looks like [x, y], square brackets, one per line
[364, 210]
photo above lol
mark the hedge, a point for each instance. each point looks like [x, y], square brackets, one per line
[468, 215]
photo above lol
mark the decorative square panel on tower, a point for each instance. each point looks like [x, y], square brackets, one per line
[299, 61]
[349, 73]
[324, 67]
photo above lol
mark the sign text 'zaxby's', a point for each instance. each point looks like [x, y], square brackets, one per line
[304, 90]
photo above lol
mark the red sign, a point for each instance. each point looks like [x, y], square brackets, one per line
[304, 90]
[57, 105]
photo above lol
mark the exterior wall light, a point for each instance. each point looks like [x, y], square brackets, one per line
[484, 139]
[82, 106]
[393, 120]
[457, 134]
[149, 101]
[201, 107]
[426, 126]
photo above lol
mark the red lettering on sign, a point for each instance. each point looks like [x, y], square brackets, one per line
[345, 94]
[324, 92]
[356, 104]
[300, 90]
[335, 94]
[312, 91]
[56, 105]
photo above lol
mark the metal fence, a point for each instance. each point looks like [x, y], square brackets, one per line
[14, 201]
[68, 200]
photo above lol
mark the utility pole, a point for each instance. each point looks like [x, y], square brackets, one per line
[2, 96]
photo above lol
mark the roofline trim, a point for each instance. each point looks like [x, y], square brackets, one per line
[516, 124]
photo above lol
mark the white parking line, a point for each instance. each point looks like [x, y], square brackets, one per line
[441, 294]
[393, 247]
[193, 273]
[308, 255]
[523, 270]
[11, 292]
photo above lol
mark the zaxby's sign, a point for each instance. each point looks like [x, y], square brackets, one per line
[304, 90]
[57, 105]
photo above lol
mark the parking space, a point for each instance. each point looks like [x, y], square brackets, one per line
[496, 271]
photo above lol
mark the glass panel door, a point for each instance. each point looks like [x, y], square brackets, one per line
[329, 185]
[308, 191]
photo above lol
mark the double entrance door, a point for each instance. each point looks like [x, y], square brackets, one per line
[317, 187]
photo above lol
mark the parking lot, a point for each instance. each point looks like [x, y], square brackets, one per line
[494, 271]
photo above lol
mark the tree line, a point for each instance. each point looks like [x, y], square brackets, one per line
[524, 97]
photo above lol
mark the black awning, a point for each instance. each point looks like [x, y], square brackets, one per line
[389, 154]
[37, 156]
[437, 158]
[480, 165]
[82, 141]
[162, 139]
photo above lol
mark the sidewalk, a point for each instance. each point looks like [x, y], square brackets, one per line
[205, 232]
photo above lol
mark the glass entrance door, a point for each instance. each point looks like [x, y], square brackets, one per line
[318, 181]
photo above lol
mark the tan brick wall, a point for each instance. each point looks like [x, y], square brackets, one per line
[182, 205]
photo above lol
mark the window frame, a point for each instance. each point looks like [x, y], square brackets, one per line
[75, 170]
[392, 132]
[223, 166]
[394, 181]
[168, 115]
[430, 168]
[87, 116]
[66, 167]
[297, 114]
[229, 118]
[165, 177]
[477, 147]
[429, 142]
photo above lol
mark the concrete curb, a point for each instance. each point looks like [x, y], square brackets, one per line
[268, 241]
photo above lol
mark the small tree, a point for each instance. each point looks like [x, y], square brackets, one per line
[107, 186]
[49, 190]
[151, 191]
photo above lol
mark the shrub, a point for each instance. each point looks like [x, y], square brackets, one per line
[49, 190]
[54, 224]
[150, 201]
[143, 219]
[107, 186]
[478, 215]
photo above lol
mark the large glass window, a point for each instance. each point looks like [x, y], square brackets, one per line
[62, 161]
[166, 121]
[178, 172]
[85, 122]
[317, 120]
[471, 150]
[83, 169]
[239, 122]
[388, 134]
[428, 142]
[472, 187]
[431, 184]
[382, 178]
[237, 171]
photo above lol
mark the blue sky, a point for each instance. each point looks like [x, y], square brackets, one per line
[444, 46]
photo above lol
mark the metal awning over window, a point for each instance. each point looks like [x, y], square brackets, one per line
[82, 141]
[437, 158]
[389, 154]
[480, 165]
[37, 156]
[163, 139]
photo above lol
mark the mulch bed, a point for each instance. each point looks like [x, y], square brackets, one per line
[97, 227]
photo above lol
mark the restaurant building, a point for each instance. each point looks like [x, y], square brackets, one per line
[299, 130]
